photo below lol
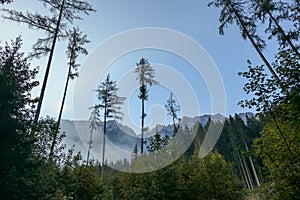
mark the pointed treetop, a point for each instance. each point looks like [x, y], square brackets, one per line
[145, 73]
[171, 107]
[107, 94]
[62, 14]
[75, 47]
[94, 119]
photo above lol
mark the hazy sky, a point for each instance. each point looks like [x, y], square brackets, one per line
[192, 19]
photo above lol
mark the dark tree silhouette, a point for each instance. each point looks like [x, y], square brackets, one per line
[75, 48]
[16, 104]
[6, 1]
[94, 126]
[263, 10]
[111, 103]
[172, 109]
[232, 11]
[63, 12]
[145, 76]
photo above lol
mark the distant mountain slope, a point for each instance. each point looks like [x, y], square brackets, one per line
[120, 138]
[190, 122]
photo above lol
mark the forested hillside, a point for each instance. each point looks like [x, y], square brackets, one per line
[254, 158]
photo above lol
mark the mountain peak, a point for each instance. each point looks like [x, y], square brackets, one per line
[120, 136]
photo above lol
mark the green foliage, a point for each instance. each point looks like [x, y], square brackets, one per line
[25, 171]
[44, 134]
[16, 83]
[75, 47]
[207, 178]
[80, 181]
[145, 73]
[109, 100]
[269, 14]
[284, 178]
[50, 24]
[94, 126]
[172, 108]
[187, 178]
[274, 12]
[236, 12]
[110, 103]
[145, 76]
[156, 142]
[278, 145]
[235, 145]
[16, 142]
[155, 185]
[63, 12]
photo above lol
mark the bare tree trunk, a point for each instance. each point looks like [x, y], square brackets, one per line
[242, 174]
[238, 156]
[254, 172]
[143, 117]
[175, 127]
[247, 171]
[60, 113]
[244, 171]
[89, 147]
[250, 159]
[39, 106]
[104, 137]
[252, 165]
[254, 44]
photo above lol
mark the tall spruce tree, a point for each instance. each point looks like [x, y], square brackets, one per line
[94, 126]
[156, 142]
[172, 110]
[234, 11]
[63, 12]
[16, 113]
[275, 12]
[75, 47]
[145, 77]
[110, 103]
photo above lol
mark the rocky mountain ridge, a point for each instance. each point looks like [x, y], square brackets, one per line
[121, 139]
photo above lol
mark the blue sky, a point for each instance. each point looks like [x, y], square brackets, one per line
[192, 18]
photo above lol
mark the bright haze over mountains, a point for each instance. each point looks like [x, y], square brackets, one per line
[121, 139]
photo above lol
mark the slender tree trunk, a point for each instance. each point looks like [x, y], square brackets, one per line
[254, 44]
[284, 35]
[250, 159]
[247, 171]
[240, 161]
[39, 106]
[244, 172]
[104, 137]
[89, 147]
[237, 158]
[175, 128]
[60, 113]
[143, 117]
[254, 172]
[252, 166]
